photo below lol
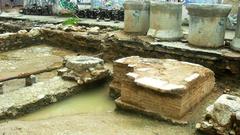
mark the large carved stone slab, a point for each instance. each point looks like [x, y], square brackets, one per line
[160, 87]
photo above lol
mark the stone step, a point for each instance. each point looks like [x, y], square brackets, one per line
[30, 98]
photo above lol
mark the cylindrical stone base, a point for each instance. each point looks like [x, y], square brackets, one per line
[207, 24]
[166, 20]
[136, 16]
[235, 45]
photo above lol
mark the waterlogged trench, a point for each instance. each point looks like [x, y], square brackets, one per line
[93, 107]
[89, 112]
[93, 99]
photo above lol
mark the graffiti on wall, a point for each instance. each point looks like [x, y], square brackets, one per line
[107, 3]
[39, 2]
[68, 5]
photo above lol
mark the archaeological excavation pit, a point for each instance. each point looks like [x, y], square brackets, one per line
[146, 74]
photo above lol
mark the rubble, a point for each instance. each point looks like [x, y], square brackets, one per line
[152, 86]
[84, 69]
[222, 117]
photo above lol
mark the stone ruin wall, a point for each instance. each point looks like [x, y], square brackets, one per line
[110, 46]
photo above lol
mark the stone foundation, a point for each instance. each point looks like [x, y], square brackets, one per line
[111, 45]
[153, 85]
[80, 71]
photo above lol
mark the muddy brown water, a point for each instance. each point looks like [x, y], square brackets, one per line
[95, 102]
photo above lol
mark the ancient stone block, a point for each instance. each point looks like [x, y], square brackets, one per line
[81, 63]
[136, 16]
[207, 24]
[165, 20]
[84, 69]
[160, 87]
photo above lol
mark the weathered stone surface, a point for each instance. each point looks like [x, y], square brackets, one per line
[11, 41]
[153, 86]
[24, 62]
[77, 41]
[94, 30]
[165, 20]
[222, 116]
[119, 44]
[84, 69]
[6, 35]
[29, 98]
[17, 25]
[22, 32]
[235, 45]
[207, 24]
[82, 63]
[136, 16]
[34, 32]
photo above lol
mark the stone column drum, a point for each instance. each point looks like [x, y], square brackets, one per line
[207, 24]
[235, 45]
[166, 20]
[136, 16]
